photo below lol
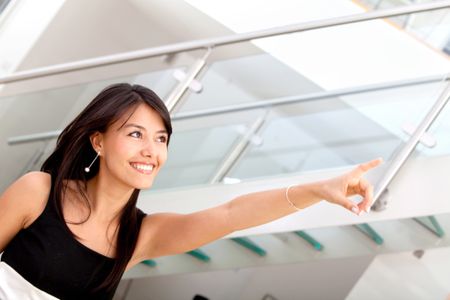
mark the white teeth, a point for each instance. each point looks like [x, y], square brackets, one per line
[143, 167]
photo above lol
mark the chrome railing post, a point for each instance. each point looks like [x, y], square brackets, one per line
[173, 100]
[236, 153]
[401, 157]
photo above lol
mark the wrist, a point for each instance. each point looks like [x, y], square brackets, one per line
[304, 195]
[320, 189]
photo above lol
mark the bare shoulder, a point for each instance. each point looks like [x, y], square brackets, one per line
[35, 182]
[29, 194]
[21, 203]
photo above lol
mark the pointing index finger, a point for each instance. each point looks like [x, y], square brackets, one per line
[364, 167]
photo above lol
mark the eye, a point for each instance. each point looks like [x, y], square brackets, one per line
[136, 134]
[162, 139]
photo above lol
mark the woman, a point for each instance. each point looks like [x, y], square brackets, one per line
[71, 230]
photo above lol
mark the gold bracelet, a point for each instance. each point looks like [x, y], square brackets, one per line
[287, 197]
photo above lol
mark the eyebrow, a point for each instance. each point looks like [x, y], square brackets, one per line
[143, 128]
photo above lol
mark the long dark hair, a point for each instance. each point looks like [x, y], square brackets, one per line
[74, 150]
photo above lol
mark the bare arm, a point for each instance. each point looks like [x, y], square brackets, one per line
[171, 233]
[18, 203]
[263, 207]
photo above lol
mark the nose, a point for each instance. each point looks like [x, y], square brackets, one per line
[149, 149]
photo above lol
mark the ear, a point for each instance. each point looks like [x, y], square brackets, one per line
[97, 141]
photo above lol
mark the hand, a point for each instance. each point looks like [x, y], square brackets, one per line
[339, 188]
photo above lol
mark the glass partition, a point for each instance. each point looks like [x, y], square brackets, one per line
[436, 142]
[194, 155]
[336, 132]
[431, 27]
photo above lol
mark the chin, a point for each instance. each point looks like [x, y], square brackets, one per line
[143, 186]
[141, 182]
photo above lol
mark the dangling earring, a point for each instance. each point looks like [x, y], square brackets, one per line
[87, 169]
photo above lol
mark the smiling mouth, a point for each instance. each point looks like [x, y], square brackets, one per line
[141, 168]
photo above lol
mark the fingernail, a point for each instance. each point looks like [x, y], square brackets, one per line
[355, 210]
[367, 209]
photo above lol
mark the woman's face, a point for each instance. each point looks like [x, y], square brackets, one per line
[135, 152]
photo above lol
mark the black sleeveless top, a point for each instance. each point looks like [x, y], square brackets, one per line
[51, 259]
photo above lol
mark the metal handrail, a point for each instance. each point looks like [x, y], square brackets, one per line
[405, 151]
[309, 97]
[219, 41]
[262, 104]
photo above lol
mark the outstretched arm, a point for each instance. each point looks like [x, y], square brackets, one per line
[258, 208]
[262, 207]
[171, 233]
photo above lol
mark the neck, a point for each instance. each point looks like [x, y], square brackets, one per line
[107, 197]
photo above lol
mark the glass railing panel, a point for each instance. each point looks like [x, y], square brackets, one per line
[436, 141]
[336, 132]
[431, 27]
[310, 135]
[195, 155]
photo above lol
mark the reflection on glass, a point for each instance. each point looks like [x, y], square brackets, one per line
[337, 132]
[431, 27]
[316, 140]
[195, 155]
[438, 136]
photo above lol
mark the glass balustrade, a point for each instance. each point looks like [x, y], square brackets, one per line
[194, 155]
[332, 131]
[430, 27]
[436, 141]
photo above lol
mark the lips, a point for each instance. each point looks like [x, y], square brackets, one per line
[143, 167]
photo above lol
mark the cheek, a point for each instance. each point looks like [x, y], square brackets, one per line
[118, 152]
